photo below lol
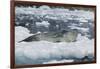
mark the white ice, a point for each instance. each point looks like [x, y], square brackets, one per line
[43, 23]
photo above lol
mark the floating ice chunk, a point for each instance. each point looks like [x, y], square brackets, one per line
[44, 50]
[79, 28]
[43, 23]
[21, 33]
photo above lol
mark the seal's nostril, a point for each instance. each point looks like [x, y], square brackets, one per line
[58, 41]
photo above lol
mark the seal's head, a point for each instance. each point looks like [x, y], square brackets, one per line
[70, 36]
